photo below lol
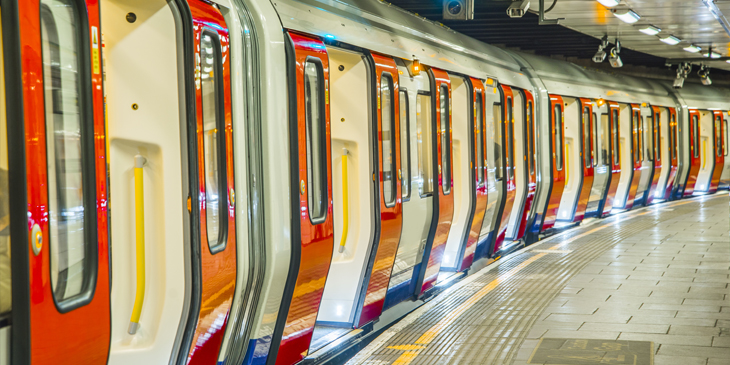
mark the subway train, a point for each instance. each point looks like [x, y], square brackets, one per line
[356, 158]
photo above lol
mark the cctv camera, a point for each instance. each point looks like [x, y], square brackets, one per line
[518, 8]
[599, 56]
[678, 82]
[614, 59]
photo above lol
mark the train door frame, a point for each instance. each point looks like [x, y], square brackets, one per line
[389, 225]
[312, 242]
[693, 125]
[521, 177]
[38, 317]
[531, 159]
[636, 154]
[614, 156]
[657, 160]
[587, 162]
[443, 202]
[725, 176]
[718, 141]
[506, 177]
[557, 162]
[673, 147]
[479, 174]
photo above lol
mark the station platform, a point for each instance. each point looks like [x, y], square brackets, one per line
[648, 286]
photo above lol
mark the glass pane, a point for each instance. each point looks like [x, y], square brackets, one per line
[212, 132]
[587, 152]
[5, 276]
[445, 139]
[724, 146]
[636, 125]
[425, 151]
[479, 121]
[558, 137]
[316, 144]
[63, 107]
[596, 147]
[499, 125]
[616, 151]
[531, 158]
[658, 137]
[718, 136]
[405, 146]
[695, 137]
[386, 139]
[510, 143]
[604, 141]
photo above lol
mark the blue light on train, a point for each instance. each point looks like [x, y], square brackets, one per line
[329, 36]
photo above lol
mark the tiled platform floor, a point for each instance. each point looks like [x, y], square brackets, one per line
[659, 274]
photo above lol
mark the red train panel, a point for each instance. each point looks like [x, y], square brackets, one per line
[694, 152]
[508, 123]
[615, 137]
[718, 133]
[558, 140]
[637, 155]
[586, 159]
[531, 159]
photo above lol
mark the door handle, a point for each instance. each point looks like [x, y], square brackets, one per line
[139, 162]
[345, 202]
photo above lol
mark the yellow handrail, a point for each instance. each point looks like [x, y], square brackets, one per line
[139, 162]
[704, 153]
[345, 202]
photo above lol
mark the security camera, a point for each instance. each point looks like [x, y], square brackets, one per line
[683, 70]
[599, 56]
[518, 8]
[678, 82]
[614, 59]
[704, 74]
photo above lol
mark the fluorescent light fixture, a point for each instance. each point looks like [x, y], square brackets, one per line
[711, 55]
[728, 61]
[627, 15]
[671, 40]
[692, 48]
[650, 30]
[609, 3]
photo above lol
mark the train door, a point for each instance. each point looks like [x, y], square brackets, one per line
[311, 171]
[626, 152]
[637, 158]
[490, 224]
[557, 143]
[717, 150]
[664, 148]
[725, 177]
[520, 153]
[601, 165]
[504, 149]
[672, 147]
[707, 158]
[694, 152]
[531, 161]
[354, 198]
[587, 158]
[464, 187]
[654, 150]
[56, 167]
[613, 157]
[646, 122]
[479, 165]
[577, 145]
[443, 204]
[415, 117]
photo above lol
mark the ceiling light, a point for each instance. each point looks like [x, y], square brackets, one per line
[671, 40]
[711, 55]
[609, 3]
[650, 30]
[692, 48]
[627, 15]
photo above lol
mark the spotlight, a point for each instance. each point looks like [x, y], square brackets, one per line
[670, 40]
[683, 69]
[692, 48]
[518, 8]
[650, 30]
[609, 3]
[627, 15]
[601, 54]
[614, 58]
[704, 74]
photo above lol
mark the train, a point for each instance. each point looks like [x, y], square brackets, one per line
[355, 158]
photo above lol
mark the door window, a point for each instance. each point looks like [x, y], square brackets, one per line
[531, 157]
[425, 149]
[718, 136]
[695, 136]
[5, 277]
[724, 146]
[673, 137]
[405, 144]
[67, 133]
[558, 151]
[587, 152]
[510, 140]
[387, 129]
[648, 138]
[657, 136]
[214, 150]
[479, 121]
[595, 149]
[314, 111]
[615, 150]
[445, 128]
[499, 126]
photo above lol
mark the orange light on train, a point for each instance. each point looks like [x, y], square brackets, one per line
[415, 68]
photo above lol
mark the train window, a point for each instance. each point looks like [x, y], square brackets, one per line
[718, 136]
[604, 140]
[531, 159]
[695, 136]
[5, 276]
[499, 126]
[636, 126]
[587, 152]
[405, 144]
[314, 112]
[615, 150]
[558, 137]
[648, 138]
[510, 137]
[724, 146]
[387, 130]
[445, 127]
[595, 150]
[67, 132]
[479, 121]
[425, 149]
[672, 140]
[213, 140]
[657, 137]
